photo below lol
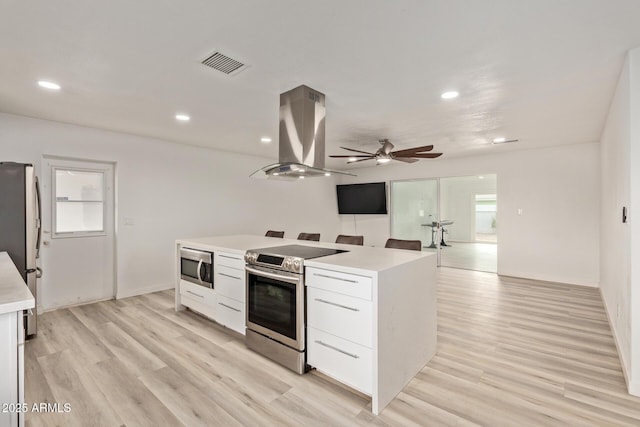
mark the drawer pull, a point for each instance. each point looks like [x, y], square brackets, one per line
[228, 306]
[230, 257]
[355, 356]
[193, 293]
[336, 304]
[335, 278]
[228, 275]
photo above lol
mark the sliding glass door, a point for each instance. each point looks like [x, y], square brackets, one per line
[414, 208]
[454, 216]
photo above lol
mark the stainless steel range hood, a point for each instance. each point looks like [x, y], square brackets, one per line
[302, 122]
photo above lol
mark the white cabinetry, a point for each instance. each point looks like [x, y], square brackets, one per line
[340, 326]
[230, 284]
[225, 303]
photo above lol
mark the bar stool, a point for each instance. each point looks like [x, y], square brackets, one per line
[309, 236]
[350, 240]
[413, 245]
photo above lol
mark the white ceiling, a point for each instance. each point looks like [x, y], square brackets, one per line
[542, 71]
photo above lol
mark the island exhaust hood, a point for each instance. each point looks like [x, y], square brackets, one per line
[302, 122]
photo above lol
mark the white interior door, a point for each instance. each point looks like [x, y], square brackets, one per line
[78, 232]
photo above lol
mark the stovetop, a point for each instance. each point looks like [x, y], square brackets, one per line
[288, 257]
[298, 251]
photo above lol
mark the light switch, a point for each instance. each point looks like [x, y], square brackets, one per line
[128, 221]
[520, 211]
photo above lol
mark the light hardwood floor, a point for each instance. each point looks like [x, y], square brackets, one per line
[511, 352]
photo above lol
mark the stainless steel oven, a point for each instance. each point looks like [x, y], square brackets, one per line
[196, 266]
[275, 311]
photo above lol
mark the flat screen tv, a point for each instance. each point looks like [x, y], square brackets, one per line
[370, 198]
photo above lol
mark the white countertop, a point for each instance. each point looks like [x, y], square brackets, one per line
[358, 260]
[14, 294]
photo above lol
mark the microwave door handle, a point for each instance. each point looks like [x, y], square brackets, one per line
[199, 270]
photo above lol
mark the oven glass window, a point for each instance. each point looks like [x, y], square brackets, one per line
[272, 305]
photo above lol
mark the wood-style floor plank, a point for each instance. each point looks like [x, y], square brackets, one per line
[511, 352]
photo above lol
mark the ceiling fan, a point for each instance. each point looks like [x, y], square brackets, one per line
[384, 154]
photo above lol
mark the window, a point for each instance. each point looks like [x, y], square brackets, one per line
[79, 202]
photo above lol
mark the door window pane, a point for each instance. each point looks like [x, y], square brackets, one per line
[79, 201]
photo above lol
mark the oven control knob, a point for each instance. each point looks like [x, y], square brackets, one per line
[287, 264]
[296, 266]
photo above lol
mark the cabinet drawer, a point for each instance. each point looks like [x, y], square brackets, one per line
[340, 315]
[230, 283]
[343, 360]
[230, 313]
[343, 283]
[198, 293]
[197, 304]
[228, 259]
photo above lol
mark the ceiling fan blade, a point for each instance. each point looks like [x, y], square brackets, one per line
[405, 159]
[422, 155]
[413, 150]
[361, 160]
[344, 157]
[356, 151]
[386, 146]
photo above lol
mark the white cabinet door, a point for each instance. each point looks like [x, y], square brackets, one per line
[230, 313]
[230, 283]
[229, 259]
[343, 360]
[342, 283]
[341, 315]
[198, 298]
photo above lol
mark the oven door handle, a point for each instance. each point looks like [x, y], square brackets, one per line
[274, 276]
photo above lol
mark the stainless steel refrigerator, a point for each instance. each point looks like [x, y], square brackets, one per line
[20, 232]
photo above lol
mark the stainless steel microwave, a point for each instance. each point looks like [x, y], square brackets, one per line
[196, 266]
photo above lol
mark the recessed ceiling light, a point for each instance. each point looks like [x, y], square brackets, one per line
[499, 140]
[183, 117]
[480, 177]
[450, 95]
[352, 159]
[265, 139]
[276, 173]
[327, 174]
[48, 85]
[384, 160]
[301, 177]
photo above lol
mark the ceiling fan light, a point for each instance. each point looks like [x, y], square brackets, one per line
[352, 159]
[384, 160]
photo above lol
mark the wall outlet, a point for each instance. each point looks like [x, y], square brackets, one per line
[520, 211]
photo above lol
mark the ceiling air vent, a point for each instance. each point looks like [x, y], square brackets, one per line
[221, 62]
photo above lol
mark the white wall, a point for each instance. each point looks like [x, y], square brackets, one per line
[620, 243]
[558, 188]
[175, 191]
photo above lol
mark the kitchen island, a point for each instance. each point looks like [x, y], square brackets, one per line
[376, 346]
[14, 298]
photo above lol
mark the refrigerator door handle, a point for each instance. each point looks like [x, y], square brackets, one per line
[38, 220]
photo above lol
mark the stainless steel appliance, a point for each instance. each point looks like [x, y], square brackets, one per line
[276, 302]
[196, 266]
[20, 226]
[302, 123]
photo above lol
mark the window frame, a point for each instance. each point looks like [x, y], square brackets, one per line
[55, 234]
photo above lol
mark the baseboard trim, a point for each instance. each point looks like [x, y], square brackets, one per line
[632, 388]
[543, 278]
[141, 291]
